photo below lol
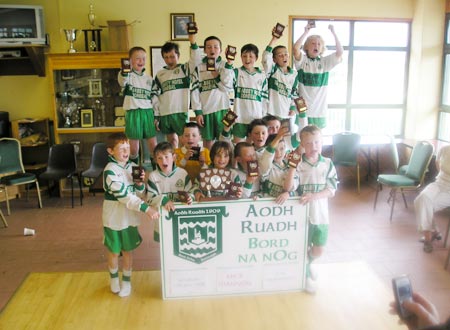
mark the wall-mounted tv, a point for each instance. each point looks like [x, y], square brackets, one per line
[21, 24]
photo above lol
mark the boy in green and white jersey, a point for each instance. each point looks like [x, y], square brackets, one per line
[250, 92]
[173, 88]
[313, 73]
[210, 91]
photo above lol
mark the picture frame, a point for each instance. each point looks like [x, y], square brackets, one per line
[95, 88]
[87, 118]
[178, 25]
[156, 60]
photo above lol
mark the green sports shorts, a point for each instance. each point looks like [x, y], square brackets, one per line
[173, 123]
[240, 130]
[213, 126]
[317, 235]
[140, 124]
[320, 122]
[121, 240]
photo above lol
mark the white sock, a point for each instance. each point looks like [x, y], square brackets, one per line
[125, 290]
[115, 284]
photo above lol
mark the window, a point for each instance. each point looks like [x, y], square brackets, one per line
[367, 91]
[444, 114]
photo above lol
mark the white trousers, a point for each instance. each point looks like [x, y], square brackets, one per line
[433, 198]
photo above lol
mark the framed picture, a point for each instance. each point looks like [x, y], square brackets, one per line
[178, 25]
[87, 118]
[95, 88]
[156, 60]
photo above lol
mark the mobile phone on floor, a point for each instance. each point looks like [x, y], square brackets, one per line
[402, 291]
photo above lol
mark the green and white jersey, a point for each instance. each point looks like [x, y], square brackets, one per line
[210, 94]
[137, 90]
[123, 199]
[173, 86]
[313, 77]
[162, 188]
[250, 95]
[282, 86]
[273, 182]
[315, 178]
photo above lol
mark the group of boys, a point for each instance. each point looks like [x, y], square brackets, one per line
[162, 104]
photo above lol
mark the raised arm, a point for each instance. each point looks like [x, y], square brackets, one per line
[297, 51]
[339, 48]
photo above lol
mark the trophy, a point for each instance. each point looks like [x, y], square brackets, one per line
[192, 28]
[71, 36]
[311, 23]
[195, 153]
[214, 179]
[278, 30]
[210, 64]
[229, 118]
[183, 196]
[126, 65]
[136, 172]
[294, 158]
[300, 103]
[233, 188]
[252, 168]
[230, 53]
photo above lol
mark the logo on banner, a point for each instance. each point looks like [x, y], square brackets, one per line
[197, 232]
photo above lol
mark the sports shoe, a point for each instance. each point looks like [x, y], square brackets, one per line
[436, 236]
[428, 247]
[313, 273]
[311, 286]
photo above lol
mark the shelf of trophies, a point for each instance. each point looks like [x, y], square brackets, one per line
[87, 96]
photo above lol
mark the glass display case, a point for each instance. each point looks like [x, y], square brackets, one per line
[87, 96]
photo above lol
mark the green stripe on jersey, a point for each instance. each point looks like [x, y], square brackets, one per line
[313, 79]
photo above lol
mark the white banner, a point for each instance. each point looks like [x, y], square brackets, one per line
[233, 247]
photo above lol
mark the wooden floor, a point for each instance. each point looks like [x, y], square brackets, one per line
[68, 242]
[350, 297]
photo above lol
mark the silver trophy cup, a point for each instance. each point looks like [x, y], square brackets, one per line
[71, 36]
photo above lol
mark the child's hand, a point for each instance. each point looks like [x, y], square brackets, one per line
[199, 196]
[251, 179]
[169, 206]
[282, 198]
[188, 154]
[306, 198]
[331, 28]
[307, 27]
[215, 73]
[152, 213]
[156, 122]
[200, 120]
[189, 200]
[201, 159]
[291, 113]
[239, 192]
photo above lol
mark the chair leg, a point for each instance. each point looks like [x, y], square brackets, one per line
[81, 188]
[376, 196]
[393, 191]
[8, 211]
[404, 198]
[38, 190]
[71, 187]
[3, 219]
[358, 178]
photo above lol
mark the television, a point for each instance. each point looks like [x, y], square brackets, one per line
[21, 24]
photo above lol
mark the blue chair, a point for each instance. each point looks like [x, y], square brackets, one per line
[11, 167]
[412, 179]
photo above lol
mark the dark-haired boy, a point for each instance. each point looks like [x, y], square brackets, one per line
[172, 86]
[210, 91]
[250, 92]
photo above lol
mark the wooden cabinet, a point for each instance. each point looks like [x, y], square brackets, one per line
[34, 137]
[87, 99]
